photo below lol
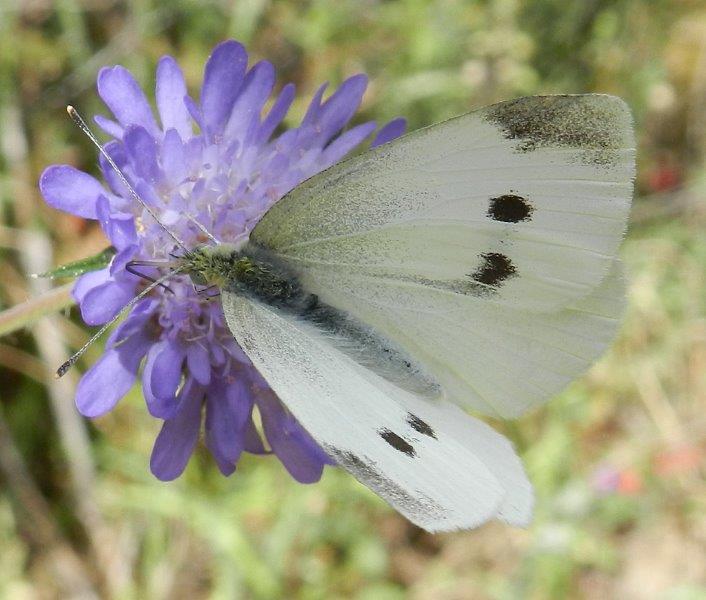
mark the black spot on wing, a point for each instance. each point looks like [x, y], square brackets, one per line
[510, 208]
[397, 442]
[421, 426]
[496, 268]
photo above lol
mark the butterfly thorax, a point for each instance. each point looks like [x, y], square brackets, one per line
[247, 272]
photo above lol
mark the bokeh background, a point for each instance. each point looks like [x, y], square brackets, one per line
[617, 459]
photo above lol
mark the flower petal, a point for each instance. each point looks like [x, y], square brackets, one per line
[257, 87]
[390, 131]
[108, 380]
[174, 158]
[161, 408]
[228, 408]
[198, 362]
[86, 282]
[252, 440]
[166, 370]
[177, 439]
[118, 263]
[124, 97]
[341, 106]
[103, 302]
[223, 76]
[226, 467]
[118, 227]
[141, 147]
[294, 447]
[109, 126]
[314, 108]
[116, 150]
[277, 113]
[71, 190]
[344, 143]
[170, 91]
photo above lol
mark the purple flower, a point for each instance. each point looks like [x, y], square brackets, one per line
[216, 163]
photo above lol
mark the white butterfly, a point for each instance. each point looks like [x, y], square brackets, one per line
[469, 264]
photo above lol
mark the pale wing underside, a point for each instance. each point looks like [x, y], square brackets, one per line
[488, 357]
[523, 203]
[439, 467]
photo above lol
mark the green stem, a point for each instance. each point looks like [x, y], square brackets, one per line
[29, 311]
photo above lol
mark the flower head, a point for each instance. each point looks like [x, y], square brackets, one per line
[211, 166]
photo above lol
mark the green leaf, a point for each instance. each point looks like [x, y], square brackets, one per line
[79, 267]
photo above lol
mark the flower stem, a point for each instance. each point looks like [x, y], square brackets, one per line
[28, 312]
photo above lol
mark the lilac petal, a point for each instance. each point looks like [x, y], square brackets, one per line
[123, 96]
[103, 302]
[223, 76]
[198, 362]
[135, 323]
[177, 439]
[277, 113]
[226, 467]
[344, 143]
[312, 112]
[121, 230]
[116, 150]
[390, 131]
[109, 126]
[170, 92]
[141, 147]
[118, 227]
[70, 190]
[294, 447]
[166, 370]
[195, 113]
[341, 106]
[117, 264]
[173, 158]
[160, 408]
[257, 87]
[148, 194]
[86, 282]
[228, 407]
[108, 380]
[252, 440]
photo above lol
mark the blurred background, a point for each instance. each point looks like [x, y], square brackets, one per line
[617, 459]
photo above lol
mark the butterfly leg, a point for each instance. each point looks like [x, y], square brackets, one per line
[130, 268]
[203, 291]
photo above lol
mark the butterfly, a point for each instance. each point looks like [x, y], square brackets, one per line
[470, 265]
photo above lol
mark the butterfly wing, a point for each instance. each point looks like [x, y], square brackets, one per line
[484, 246]
[436, 465]
[523, 203]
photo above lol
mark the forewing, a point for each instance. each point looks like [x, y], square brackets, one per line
[436, 465]
[523, 203]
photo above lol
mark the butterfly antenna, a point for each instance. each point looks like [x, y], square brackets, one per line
[78, 119]
[61, 371]
[205, 231]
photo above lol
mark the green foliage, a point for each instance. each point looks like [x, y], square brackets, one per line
[83, 265]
